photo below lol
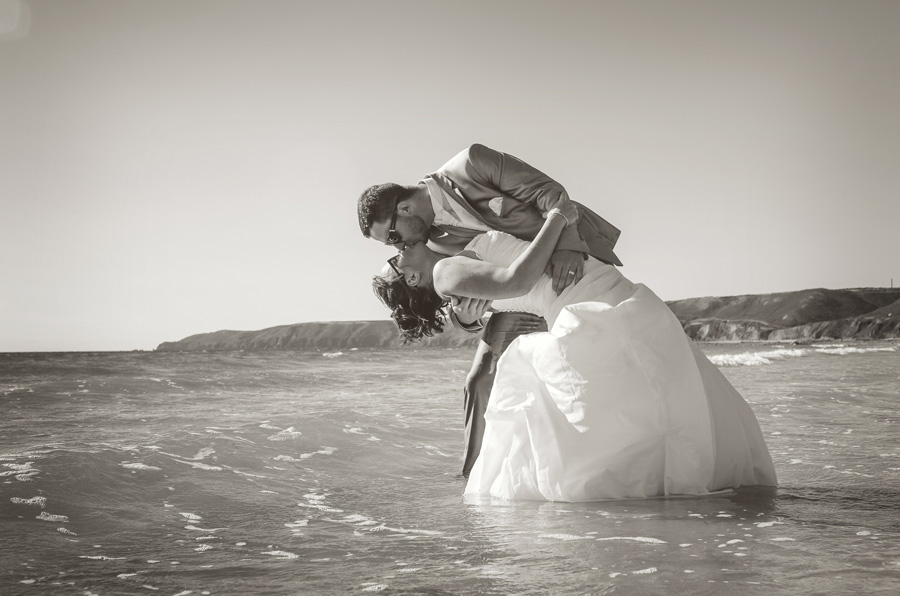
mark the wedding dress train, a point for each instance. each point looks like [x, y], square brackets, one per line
[615, 401]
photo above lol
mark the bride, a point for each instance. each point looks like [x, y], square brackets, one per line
[613, 402]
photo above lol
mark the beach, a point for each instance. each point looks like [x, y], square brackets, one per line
[334, 472]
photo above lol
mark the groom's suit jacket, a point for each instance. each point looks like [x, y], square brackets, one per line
[509, 195]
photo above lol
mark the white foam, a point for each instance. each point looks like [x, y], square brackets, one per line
[248, 474]
[333, 354]
[139, 466]
[851, 350]
[204, 453]
[101, 558]
[281, 554]
[12, 472]
[324, 508]
[65, 531]
[322, 451]
[195, 528]
[38, 501]
[383, 527]
[193, 461]
[190, 516]
[754, 358]
[21, 467]
[200, 466]
[646, 571]
[563, 536]
[287, 434]
[44, 516]
[636, 539]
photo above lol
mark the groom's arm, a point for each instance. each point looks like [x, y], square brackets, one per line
[523, 182]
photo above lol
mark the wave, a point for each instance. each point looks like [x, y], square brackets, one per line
[755, 358]
[842, 350]
[770, 356]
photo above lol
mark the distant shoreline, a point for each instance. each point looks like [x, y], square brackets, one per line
[804, 316]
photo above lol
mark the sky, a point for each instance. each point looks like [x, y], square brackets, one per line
[174, 167]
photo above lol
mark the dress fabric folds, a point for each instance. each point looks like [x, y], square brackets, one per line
[613, 402]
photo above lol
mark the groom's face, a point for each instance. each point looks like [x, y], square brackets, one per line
[410, 229]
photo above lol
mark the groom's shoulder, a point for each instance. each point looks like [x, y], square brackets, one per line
[475, 156]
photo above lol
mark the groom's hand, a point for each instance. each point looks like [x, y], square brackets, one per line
[566, 267]
[469, 310]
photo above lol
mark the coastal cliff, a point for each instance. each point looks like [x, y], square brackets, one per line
[332, 335]
[858, 313]
[805, 315]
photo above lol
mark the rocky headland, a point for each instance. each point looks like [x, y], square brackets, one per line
[801, 316]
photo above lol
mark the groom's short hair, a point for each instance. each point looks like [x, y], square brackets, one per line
[377, 202]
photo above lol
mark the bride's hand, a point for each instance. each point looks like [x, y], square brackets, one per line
[469, 310]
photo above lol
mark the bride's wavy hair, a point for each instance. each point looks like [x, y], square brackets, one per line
[418, 311]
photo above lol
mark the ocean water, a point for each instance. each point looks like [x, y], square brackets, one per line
[338, 473]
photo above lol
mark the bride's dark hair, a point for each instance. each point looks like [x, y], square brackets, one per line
[418, 311]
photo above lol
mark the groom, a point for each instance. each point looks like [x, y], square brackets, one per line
[478, 190]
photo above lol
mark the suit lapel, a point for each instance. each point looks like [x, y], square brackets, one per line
[454, 192]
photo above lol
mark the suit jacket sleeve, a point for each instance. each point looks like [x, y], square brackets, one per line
[517, 179]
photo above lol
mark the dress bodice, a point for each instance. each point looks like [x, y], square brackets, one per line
[502, 249]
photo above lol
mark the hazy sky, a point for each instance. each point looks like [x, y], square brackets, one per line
[171, 167]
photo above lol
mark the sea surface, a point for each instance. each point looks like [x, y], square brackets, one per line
[338, 473]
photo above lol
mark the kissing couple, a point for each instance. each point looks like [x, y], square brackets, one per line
[584, 385]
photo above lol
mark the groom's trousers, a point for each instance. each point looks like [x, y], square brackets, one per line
[501, 329]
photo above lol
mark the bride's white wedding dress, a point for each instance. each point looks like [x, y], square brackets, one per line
[613, 402]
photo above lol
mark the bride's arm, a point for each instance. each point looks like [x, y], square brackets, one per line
[470, 278]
